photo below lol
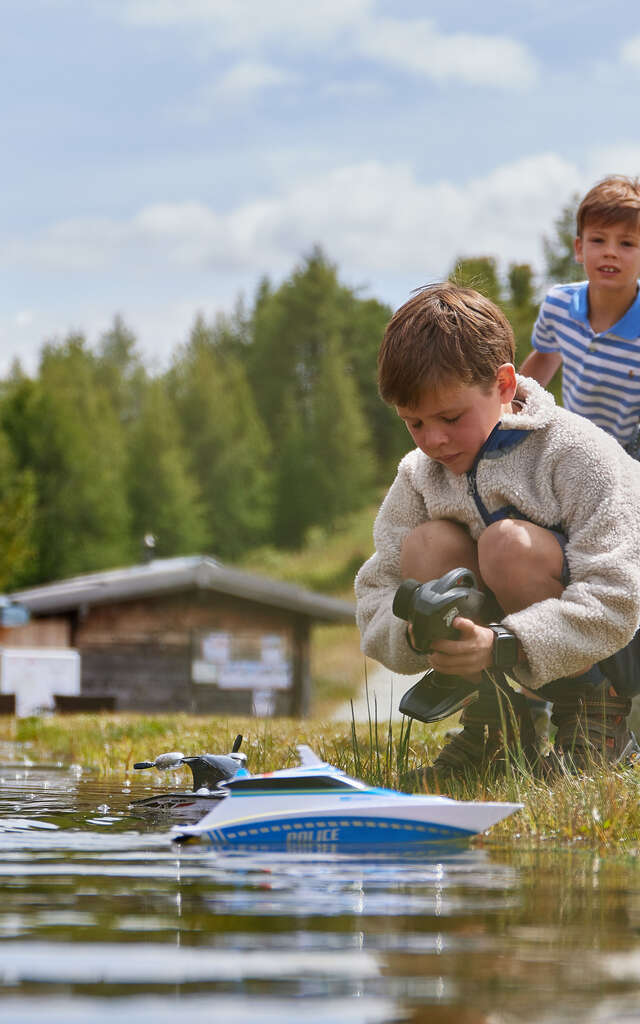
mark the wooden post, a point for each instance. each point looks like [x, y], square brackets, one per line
[301, 691]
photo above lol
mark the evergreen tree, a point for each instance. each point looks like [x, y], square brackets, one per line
[290, 328]
[364, 326]
[559, 255]
[521, 307]
[120, 372]
[163, 497]
[63, 427]
[342, 457]
[226, 443]
[295, 491]
[325, 466]
[17, 513]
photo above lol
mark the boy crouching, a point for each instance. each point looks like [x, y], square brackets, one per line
[539, 503]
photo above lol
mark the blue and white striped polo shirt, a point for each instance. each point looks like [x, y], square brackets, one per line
[600, 372]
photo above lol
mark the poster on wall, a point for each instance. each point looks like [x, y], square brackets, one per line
[259, 662]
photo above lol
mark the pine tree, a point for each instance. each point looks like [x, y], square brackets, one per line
[521, 307]
[290, 328]
[73, 443]
[163, 496]
[296, 505]
[226, 443]
[17, 515]
[559, 255]
[120, 371]
[342, 456]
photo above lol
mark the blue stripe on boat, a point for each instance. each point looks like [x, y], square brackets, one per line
[343, 829]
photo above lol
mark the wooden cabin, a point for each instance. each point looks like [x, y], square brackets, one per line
[182, 634]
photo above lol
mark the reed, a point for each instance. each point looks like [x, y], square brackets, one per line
[599, 808]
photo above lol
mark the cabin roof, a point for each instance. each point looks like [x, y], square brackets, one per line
[167, 575]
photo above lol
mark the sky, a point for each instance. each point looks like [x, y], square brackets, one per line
[159, 157]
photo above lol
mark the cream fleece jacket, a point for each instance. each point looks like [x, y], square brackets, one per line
[563, 473]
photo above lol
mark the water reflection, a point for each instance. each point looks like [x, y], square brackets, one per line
[100, 914]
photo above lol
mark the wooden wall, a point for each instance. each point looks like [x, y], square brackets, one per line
[140, 652]
[50, 632]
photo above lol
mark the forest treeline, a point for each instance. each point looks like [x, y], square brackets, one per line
[266, 423]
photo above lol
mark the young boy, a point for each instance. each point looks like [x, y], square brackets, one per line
[592, 329]
[541, 504]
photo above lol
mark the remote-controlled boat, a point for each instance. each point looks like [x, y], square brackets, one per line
[207, 770]
[320, 807]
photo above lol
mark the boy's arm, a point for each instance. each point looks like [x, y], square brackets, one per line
[597, 488]
[545, 360]
[383, 635]
[542, 366]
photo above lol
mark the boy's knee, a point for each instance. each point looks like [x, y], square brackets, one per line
[435, 547]
[501, 549]
[514, 549]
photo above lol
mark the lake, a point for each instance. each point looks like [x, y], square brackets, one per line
[101, 916]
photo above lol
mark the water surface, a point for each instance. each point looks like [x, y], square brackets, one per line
[101, 915]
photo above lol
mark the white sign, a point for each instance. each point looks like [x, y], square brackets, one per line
[216, 647]
[35, 675]
[259, 662]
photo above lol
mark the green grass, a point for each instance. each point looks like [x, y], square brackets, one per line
[329, 560]
[599, 808]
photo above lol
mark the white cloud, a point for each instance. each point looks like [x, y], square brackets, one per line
[246, 78]
[620, 159]
[377, 221]
[368, 217]
[160, 324]
[417, 46]
[352, 27]
[250, 22]
[24, 318]
[630, 52]
[80, 245]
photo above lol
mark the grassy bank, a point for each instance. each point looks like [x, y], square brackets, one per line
[599, 809]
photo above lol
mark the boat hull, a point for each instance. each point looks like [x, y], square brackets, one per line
[389, 824]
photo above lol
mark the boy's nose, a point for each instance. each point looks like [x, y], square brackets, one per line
[433, 438]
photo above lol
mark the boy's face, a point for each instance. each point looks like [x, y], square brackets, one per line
[451, 424]
[611, 255]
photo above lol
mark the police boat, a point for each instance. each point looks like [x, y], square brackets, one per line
[319, 807]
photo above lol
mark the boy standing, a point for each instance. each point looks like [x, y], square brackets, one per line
[592, 329]
[540, 504]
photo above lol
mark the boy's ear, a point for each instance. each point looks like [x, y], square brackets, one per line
[577, 249]
[507, 383]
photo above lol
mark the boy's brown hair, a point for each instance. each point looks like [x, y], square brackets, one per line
[443, 333]
[613, 200]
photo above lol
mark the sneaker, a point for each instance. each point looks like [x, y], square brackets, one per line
[495, 723]
[592, 728]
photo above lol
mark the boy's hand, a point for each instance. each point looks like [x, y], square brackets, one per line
[468, 655]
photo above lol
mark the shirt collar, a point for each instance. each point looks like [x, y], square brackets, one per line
[628, 327]
[499, 442]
